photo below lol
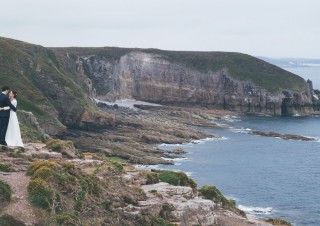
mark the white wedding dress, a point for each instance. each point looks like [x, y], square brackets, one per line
[13, 135]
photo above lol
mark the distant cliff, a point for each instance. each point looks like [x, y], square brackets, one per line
[230, 81]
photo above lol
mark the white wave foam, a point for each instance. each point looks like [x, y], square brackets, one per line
[256, 210]
[240, 130]
[147, 167]
[190, 144]
[231, 118]
[202, 141]
[175, 159]
[180, 159]
[222, 124]
[317, 139]
[129, 103]
[176, 145]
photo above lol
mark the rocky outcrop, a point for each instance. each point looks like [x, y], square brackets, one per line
[185, 206]
[283, 136]
[34, 131]
[151, 77]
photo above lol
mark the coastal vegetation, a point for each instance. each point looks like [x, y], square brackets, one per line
[7, 220]
[4, 167]
[278, 222]
[213, 193]
[5, 192]
[177, 179]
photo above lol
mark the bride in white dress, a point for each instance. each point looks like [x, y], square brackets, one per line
[13, 135]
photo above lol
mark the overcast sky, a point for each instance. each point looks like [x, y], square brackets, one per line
[272, 28]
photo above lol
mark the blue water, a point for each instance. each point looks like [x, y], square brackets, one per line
[280, 178]
[268, 177]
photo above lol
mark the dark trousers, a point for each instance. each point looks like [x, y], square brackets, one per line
[3, 129]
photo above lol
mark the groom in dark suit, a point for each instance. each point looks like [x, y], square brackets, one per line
[4, 115]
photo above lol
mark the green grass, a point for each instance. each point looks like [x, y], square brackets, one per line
[51, 179]
[129, 200]
[59, 145]
[176, 178]
[213, 193]
[64, 218]
[4, 167]
[158, 221]
[152, 178]
[278, 222]
[5, 191]
[40, 193]
[107, 204]
[7, 220]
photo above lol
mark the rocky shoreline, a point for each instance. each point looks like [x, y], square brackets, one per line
[134, 197]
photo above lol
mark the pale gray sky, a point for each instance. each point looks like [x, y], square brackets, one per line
[273, 28]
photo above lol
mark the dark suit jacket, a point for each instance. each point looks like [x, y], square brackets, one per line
[5, 102]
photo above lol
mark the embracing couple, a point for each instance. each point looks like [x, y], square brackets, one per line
[9, 126]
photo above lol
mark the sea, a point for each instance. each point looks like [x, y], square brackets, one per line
[268, 177]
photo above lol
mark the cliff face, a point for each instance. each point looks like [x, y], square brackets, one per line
[151, 77]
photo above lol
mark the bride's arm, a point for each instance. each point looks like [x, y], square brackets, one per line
[5, 108]
[11, 106]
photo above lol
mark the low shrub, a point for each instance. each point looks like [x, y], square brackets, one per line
[59, 145]
[38, 164]
[117, 165]
[68, 165]
[40, 194]
[107, 204]
[158, 221]
[152, 178]
[63, 218]
[79, 200]
[52, 180]
[213, 193]
[166, 212]
[4, 167]
[129, 200]
[7, 220]
[177, 179]
[44, 172]
[278, 222]
[156, 193]
[5, 191]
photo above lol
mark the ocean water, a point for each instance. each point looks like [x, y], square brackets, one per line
[268, 177]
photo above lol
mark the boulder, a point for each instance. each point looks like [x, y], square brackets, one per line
[186, 206]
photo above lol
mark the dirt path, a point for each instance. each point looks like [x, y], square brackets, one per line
[19, 207]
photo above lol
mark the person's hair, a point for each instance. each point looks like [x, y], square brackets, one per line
[15, 94]
[5, 88]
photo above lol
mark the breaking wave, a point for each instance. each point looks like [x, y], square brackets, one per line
[256, 210]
